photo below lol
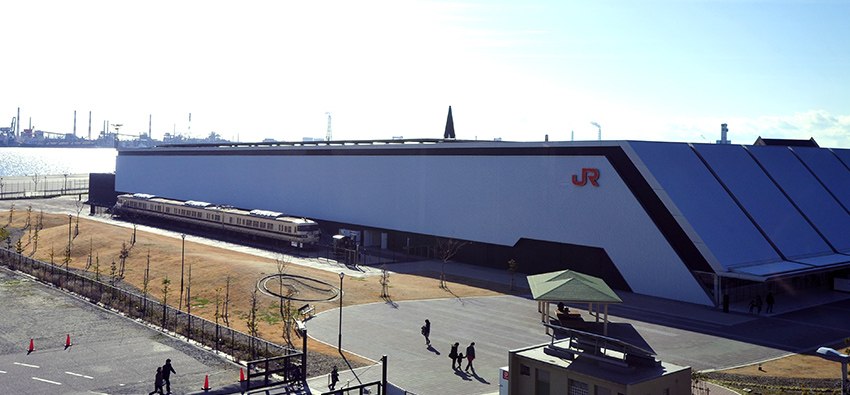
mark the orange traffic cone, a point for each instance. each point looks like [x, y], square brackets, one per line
[31, 347]
[241, 375]
[206, 383]
[68, 341]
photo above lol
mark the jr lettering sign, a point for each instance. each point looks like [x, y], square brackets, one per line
[587, 175]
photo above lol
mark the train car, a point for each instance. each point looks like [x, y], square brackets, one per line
[298, 232]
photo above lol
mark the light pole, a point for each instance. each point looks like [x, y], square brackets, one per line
[339, 347]
[182, 260]
[832, 355]
[68, 256]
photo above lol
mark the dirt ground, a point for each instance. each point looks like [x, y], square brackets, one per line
[210, 267]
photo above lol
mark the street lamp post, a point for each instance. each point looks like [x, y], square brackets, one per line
[182, 261]
[339, 347]
[832, 355]
[68, 257]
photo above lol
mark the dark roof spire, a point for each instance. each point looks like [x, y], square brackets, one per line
[450, 126]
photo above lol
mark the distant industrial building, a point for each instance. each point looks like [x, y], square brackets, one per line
[692, 222]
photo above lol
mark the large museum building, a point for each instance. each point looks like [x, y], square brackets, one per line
[690, 222]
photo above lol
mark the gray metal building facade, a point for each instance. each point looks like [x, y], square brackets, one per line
[690, 222]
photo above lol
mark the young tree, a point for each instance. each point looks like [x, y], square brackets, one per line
[35, 179]
[113, 273]
[11, 211]
[227, 303]
[125, 252]
[385, 281]
[28, 221]
[145, 281]
[446, 250]
[97, 267]
[91, 250]
[78, 204]
[218, 309]
[165, 291]
[285, 304]
[512, 266]
[251, 318]
[35, 241]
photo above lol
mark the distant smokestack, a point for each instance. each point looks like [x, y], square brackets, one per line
[150, 122]
[18, 124]
[75, 123]
[89, 125]
[600, 129]
[723, 132]
[329, 136]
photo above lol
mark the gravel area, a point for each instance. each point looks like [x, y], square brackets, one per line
[771, 384]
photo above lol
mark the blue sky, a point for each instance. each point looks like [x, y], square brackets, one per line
[516, 70]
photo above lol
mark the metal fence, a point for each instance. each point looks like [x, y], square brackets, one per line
[238, 345]
[38, 185]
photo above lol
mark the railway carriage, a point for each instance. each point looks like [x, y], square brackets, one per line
[299, 232]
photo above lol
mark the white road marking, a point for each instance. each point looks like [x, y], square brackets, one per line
[27, 365]
[3, 371]
[97, 393]
[46, 381]
[80, 375]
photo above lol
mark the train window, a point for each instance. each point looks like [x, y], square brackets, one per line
[308, 228]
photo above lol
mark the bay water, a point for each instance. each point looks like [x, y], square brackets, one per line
[25, 161]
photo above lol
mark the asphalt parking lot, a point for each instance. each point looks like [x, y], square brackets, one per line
[702, 337]
[109, 354]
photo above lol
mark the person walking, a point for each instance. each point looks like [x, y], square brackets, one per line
[167, 369]
[334, 378]
[426, 331]
[770, 301]
[470, 356]
[157, 383]
[453, 355]
[758, 304]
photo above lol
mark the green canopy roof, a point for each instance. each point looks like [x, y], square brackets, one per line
[570, 286]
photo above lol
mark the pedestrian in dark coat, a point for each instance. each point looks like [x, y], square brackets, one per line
[758, 304]
[460, 360]
[426, 331]
[334, 378]
[770, 301]
[157, 383]
[470, 355]
[453, 355]
[167, 369]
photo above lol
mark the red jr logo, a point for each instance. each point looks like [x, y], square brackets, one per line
[587, 175]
